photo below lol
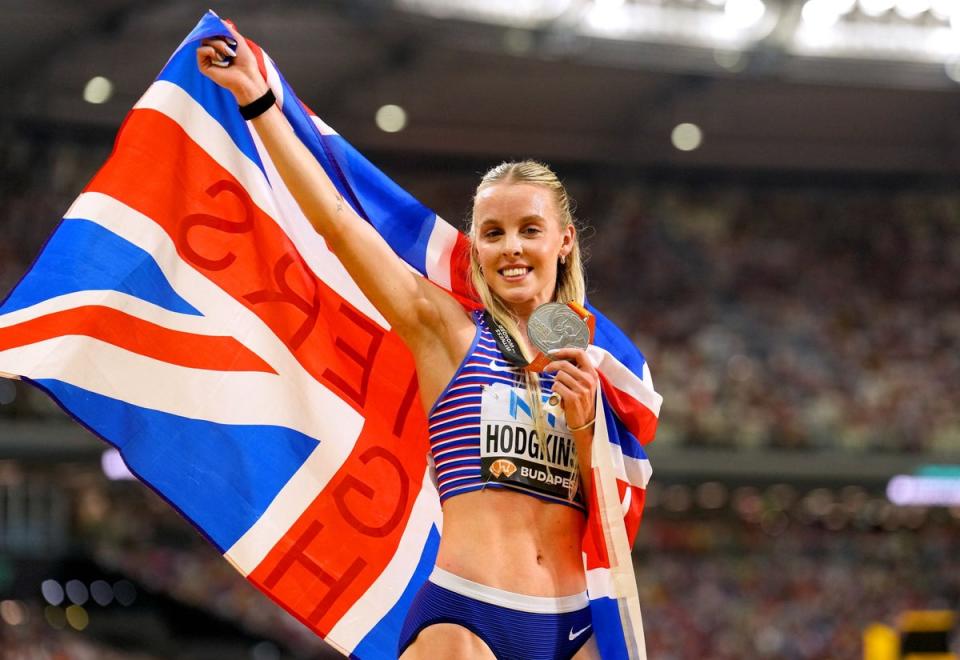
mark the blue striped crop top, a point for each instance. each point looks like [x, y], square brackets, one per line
[482, 434]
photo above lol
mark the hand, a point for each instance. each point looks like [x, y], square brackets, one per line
[576, 383]
[241, 76]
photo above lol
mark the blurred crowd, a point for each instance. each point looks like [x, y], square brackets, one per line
[773, 314]
[806, 593]
[794, 317]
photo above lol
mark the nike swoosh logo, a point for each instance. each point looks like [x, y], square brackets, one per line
[496, 367]
[573, 635]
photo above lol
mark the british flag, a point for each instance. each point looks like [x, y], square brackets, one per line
[187, 313]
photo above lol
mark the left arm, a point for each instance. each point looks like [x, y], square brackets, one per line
[576, 382]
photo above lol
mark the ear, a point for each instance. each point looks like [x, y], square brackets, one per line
[567, 239]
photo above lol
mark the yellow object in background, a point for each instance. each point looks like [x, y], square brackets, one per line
[925, 634]
[881, 642]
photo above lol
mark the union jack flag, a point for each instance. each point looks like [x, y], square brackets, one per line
[187, 313]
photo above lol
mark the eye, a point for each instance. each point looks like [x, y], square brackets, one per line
[492, 233]
[532, 230]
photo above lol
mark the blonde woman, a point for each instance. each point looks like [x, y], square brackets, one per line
[509, 579]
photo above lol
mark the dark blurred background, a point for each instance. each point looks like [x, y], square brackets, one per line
[771, 193]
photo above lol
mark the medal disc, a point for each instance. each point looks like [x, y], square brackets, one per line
[554, 325]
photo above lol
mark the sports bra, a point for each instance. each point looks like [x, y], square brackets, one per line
[482, 433]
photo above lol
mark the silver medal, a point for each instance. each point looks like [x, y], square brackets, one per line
[554, 325]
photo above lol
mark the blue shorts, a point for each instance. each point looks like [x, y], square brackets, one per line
[514, 626]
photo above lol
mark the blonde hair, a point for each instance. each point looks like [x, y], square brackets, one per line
[571, 282]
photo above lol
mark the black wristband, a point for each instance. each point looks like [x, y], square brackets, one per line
[256, 108]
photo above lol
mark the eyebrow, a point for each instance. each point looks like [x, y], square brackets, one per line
[533, 217]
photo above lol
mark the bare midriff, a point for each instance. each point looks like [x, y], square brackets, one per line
[514, 542]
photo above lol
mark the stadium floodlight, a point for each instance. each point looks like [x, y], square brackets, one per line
[876, 7]
[909, 490]
[911, 9]
[744, 14]
[516, 13]
[944, 9]
[820, 14]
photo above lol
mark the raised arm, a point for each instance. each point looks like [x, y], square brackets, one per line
[416, 309]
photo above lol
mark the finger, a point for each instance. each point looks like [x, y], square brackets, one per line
[220, 45]
[561, 365]
[570, 382]
[238, 38]
[569, 353]
[217, 53]
[206, 55]
[564, 367]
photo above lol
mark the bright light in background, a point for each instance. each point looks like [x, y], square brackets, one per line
[744, 14]
[910, 9]
[77, 592]
[12, 612]
[101, 592]
[906, 490]
[876, 7]
[52, 592]
[77, 617]
[98, 90]
[820, 14]
[944, 9]
[391, 118]
[113, 466]
[686, 137]
[607, 15]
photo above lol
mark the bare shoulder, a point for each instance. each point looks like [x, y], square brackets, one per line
[443, 334]
[440, 318]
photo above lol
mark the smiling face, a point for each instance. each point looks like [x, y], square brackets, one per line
[517, 241]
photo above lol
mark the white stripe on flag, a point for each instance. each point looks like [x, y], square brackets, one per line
[223, 397]
[443, 238]
[625, 380]
[122, 302]
[273, 79]
[599, 583]
[386, 590]
[322, 126]
[621, 577]
[636, 471]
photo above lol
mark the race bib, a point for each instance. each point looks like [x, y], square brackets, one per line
[511, 450]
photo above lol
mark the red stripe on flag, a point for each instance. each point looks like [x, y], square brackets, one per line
[639, 419]
[136, 335]
[460, 273]
[634, 513]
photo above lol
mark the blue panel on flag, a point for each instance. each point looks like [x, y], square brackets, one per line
[620, 436]
[220, 476]
[383, 638]
[403, 221]
[83, 256]
[182, 71]
[607, 629]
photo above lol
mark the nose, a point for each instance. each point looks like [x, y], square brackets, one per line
[512, 244]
